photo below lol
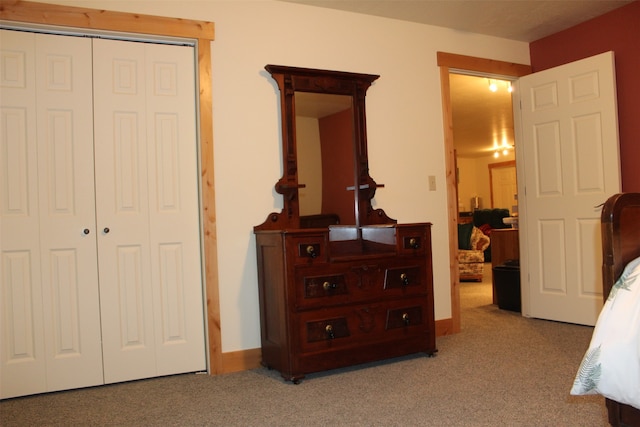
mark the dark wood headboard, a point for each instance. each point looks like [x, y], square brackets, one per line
[620, 244]
[620, 224]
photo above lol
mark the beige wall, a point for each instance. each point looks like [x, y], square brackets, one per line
[404, 121]
[474, 179]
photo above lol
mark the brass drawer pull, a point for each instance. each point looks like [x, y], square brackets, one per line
[311, 251]
[405, 319]
[405, 279]
[329, 330]
[413, 243]
[327, 286]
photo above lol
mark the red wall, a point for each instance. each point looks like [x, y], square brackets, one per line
[618, 31]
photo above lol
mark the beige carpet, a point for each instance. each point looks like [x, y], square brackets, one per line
[502, 370]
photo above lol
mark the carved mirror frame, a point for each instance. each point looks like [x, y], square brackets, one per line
[291, 80]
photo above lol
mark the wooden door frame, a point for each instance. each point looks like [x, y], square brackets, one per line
[449, 62]
[201, 31]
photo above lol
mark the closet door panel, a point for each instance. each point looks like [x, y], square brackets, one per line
[67, 212]
[146, 180]
[22, 361]
[50, 288]
[123, 212]
[174, 209]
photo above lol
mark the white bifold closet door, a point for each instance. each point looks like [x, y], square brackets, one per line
[100, 269]
[146, 182]
[50, 314]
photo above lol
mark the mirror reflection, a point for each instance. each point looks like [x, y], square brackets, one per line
[325, 154]
[325, 179]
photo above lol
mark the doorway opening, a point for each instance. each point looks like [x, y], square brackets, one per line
[451, 64]
[484, 142]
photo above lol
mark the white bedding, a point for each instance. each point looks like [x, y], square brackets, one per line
[611, 365]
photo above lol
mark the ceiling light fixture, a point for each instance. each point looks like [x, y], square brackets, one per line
[501, 148]
[495, 84]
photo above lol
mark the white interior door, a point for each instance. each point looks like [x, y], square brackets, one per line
[67, 212]
[568, 164]
[146, 181]
[23, 366]
[174, 212]
[503, 187]
[50, 323]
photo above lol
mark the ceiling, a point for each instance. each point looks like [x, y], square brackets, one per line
[481, 117]
[523, 20]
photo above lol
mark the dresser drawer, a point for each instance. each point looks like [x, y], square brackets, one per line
[308, 249]
[413, 240]
[331, 285]
[326, 330]
[404, 316]
[340, 327]
[403, 277]
[322, 286]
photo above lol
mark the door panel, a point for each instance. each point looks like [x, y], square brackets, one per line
[50, 288]
[174, 209]
[22, 363]
[67, 208]
[147, 173]
[122, 185]
[570, 159]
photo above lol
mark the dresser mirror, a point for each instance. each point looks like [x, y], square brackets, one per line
[326, 160]
[325, 180]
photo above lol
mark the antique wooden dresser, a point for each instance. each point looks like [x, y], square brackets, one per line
[340, 283]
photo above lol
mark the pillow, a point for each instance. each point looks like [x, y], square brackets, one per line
[486, 229]
[479, 241]
[464, 235]
[611, 365]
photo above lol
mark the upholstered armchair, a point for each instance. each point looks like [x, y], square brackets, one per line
[472, 243]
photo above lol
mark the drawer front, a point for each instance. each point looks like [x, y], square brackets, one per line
[352, 326]
[331, 285]
[414, 240]
[404, 316]
[307, 249]
[327, 329]
[324, 286]
[403, 277]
